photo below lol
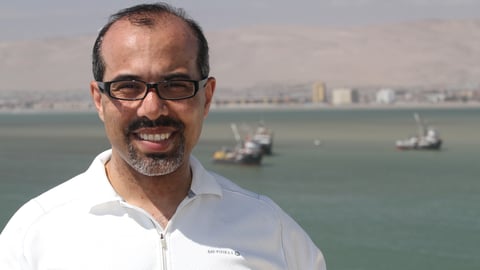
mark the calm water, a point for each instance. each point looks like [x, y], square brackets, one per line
[366, 205]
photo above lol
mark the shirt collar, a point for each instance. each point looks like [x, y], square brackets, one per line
[203, 182]
[102, 191]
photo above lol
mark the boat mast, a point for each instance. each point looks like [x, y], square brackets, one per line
[236, 134]
[420, 125]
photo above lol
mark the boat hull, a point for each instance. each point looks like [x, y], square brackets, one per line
[431, 146]
[266, 148]
[237, 158]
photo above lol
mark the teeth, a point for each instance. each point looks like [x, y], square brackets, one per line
[154, 137]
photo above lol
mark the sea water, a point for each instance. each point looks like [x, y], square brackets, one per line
[336, 171]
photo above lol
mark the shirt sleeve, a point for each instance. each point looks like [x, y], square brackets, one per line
[300, 251]
[12, 248]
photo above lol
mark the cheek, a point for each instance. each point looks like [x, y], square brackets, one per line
[115, 119]
[193, 120]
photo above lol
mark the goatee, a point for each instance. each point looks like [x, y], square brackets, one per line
[156, 164]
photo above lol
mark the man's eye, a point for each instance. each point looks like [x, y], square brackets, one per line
[178, 85]
[127, 86]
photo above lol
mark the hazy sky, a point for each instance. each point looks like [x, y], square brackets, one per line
[30, 19]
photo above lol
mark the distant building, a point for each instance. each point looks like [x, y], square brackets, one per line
[344, 96]
[435, 97]
[385, 96]
[319, 92]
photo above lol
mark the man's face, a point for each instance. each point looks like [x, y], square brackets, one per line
[153, 136]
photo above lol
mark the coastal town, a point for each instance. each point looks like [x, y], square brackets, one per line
[434, 65]
[313, 95]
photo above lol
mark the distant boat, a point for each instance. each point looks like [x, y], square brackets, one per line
[263, 136]
[427, 138]
[246, 152]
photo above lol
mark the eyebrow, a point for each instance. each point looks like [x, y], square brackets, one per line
[171, 76]
[177, 75]
[126, 77]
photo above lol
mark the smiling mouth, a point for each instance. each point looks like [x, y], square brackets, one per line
[158, 137]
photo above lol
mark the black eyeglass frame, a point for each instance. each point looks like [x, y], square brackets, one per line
[104, 87]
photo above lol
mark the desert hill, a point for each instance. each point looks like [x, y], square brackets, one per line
[432, 53]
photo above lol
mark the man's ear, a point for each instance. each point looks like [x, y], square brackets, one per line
[97, 98]
[209, 91]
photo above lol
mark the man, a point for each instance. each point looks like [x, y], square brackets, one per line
[147, 203]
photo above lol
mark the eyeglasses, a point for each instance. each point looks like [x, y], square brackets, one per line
[138, 90]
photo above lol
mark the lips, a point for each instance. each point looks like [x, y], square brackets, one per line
[158, 136]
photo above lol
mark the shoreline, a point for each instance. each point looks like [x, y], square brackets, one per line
[284, 107]
[320, 107]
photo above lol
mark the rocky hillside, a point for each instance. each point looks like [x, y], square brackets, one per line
[426, 53]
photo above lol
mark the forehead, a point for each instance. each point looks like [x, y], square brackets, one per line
[159, 24]
[137, 39]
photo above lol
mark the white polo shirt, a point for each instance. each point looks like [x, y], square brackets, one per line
[84, 224]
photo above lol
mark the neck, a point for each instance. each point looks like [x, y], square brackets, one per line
[158, 195]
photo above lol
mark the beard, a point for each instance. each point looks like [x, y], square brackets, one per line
[156, 164]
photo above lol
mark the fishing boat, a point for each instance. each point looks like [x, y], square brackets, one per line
[263, 136]
[246, 152]
[427, 138]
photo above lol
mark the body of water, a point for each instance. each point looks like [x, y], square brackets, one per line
[365, 204]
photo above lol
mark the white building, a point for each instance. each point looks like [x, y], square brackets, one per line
[385, 96]
[344, 96]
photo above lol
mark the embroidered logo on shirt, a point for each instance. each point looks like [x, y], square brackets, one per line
[224, 251]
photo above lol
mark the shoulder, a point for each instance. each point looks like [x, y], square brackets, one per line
[231, 195]
[247, 201]
[80, 187]
[88, 185]
[228, 185]
[36, 208]
[230, 188]
[299, 250]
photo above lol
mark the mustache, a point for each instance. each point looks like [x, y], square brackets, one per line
[163, 121]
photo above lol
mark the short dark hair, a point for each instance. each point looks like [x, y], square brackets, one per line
[142, 15]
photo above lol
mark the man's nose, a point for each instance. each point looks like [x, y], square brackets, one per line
[152, 105]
